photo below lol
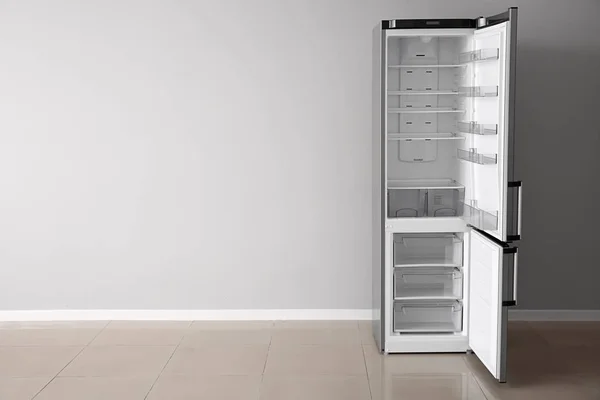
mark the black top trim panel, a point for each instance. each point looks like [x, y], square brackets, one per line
[428, 23]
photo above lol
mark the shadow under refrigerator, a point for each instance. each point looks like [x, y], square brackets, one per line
[446, 206]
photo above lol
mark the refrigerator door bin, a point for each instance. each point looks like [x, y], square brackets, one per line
[473, 156]
[479, 218]
[428, 282]
[478, 55]
[427, 316]
[428, 250]
[479, 91]
[477, 129]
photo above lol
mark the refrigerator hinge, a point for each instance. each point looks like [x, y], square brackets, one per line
[481, 22]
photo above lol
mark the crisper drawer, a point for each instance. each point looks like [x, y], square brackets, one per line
[428, 249]
[425, 202]
[427, 316]
[426, 282]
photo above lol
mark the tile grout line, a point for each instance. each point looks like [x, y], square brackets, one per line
[362, 347]
[169, 360]
[262, 377]
[69, 363]
[479, 385]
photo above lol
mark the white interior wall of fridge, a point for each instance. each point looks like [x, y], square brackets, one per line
[425, 106]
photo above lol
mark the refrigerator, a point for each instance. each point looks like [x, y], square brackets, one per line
[446, 204]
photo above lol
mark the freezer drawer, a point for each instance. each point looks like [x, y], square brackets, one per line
[428, 249]
[427, 316]
[428, 282]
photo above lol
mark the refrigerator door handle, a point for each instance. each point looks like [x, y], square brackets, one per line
[515, 273]
[510, 266]
[519, 211]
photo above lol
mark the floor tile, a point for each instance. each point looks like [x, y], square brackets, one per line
[583, 360]
[329, 387]
[149, 325]
[218, 360]
[96, 388]
[119, 361]
[308, 324]
[47, 337]
[448, 386]
[230, 387]
[232, 325]
[549, 388]
[54, 325]
[315, 359]
[379, 364]
[21, 388]
[203, 338]
[332, 337]
[139, 337]
[39, 361]
[366, 332]
[568, 333]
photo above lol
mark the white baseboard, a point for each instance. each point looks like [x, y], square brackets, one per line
[554, 315]
[184, 315]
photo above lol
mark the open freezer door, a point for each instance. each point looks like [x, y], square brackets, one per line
[494, 200]
[492, 289]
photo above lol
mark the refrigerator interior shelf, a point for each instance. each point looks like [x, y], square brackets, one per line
[478, 55]
[415, 110]
[477, 158]
[425, 136]
[477, 129]
[479, 218]
[426, 66]
[422, 92]
[424, 184]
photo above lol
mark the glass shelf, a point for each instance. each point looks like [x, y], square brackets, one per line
[477, 158]
[478, 55]
[426, 66]
[411, 110]
[421, 92]
[479, 91]
[479, 218]
[424, 184]
[477, 129]
[424, 136]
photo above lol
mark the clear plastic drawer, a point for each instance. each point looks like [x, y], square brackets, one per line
[428, 249]
[428, 282]
[427, 316]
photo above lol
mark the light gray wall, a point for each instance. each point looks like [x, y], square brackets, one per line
[216, 154]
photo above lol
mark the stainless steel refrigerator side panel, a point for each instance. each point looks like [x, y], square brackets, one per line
[514, 198]
[378, 186]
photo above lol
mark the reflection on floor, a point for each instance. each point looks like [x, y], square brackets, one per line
[314, 360]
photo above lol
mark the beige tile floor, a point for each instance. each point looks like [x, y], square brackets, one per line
[314, 360]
